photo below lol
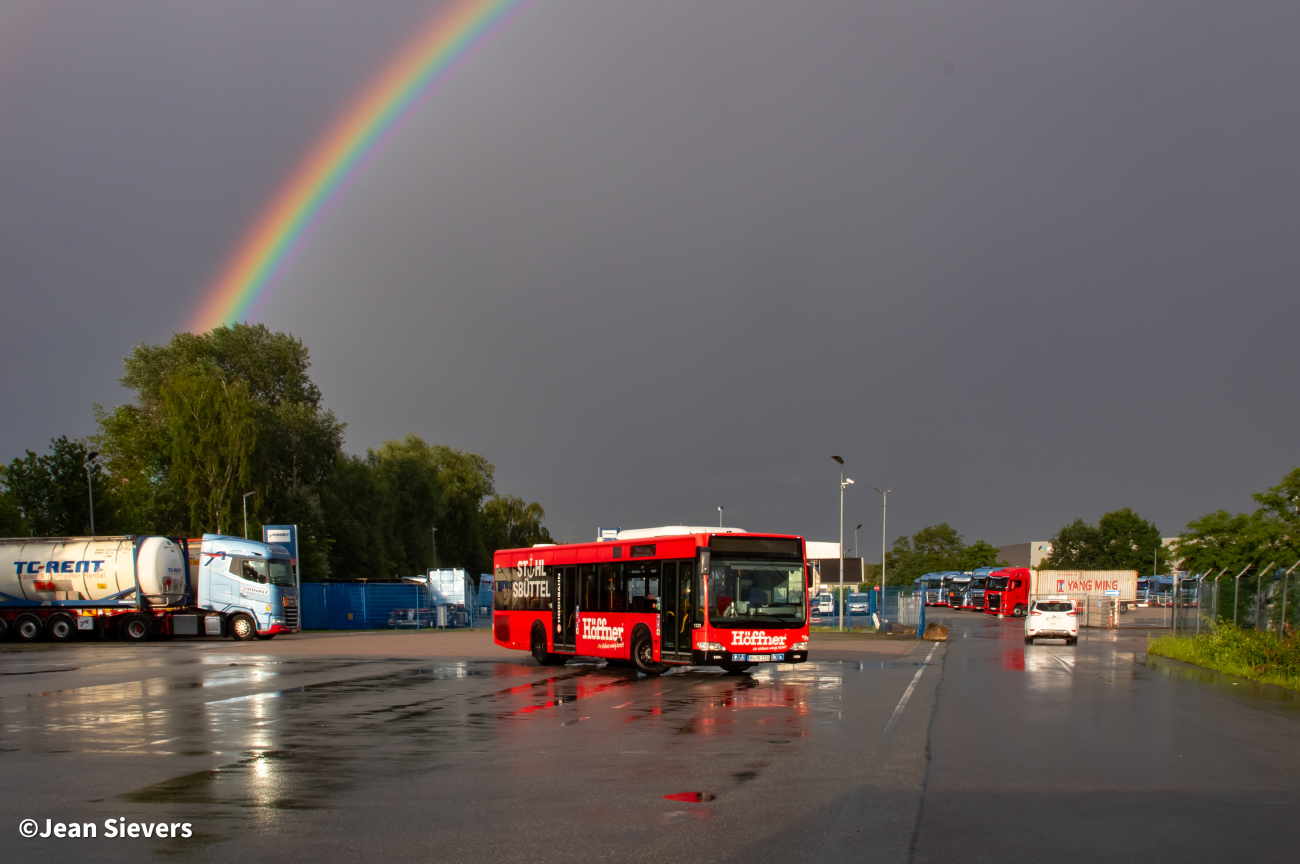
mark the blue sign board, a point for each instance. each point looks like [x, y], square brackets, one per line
[283, 535]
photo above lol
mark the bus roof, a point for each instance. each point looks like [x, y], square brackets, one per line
[664, 546]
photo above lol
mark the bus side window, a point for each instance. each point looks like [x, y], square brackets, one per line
[588, 588]
[612, 594]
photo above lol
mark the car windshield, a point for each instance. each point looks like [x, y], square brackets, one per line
[1054, 606]
[997, 583]
[745, 593]
[857, 598]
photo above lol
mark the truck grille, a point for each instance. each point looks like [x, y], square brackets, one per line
[291, 616]
[995, 602]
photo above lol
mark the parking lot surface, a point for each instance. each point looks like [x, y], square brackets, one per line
[440, 746]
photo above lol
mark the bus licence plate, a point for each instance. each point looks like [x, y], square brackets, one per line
[757, 658]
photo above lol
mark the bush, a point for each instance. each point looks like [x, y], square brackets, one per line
[1265, 657]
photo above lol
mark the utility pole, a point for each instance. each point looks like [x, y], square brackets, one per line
[843, 484]
[884, 517]
[90, 486]
[246, 494]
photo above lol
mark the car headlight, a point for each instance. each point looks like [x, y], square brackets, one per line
[709, 646]
[799, 646]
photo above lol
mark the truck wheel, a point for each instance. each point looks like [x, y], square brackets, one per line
[643, 654]
[242, 628]
[60, 628]
[135, 628]
[1018, 611]
[28, 628]
[4, 629]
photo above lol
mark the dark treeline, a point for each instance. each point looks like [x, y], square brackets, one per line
[233, 411]
[934, 549]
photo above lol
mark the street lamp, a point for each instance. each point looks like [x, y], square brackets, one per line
[843, 483]
[884, 512]
[719, 516]
[90, 486]
[246, 494]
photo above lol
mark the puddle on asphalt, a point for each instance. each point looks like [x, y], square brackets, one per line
[1240, 689]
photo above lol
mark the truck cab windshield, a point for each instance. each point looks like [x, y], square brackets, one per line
[275, 571]
[756, 593]
[998, 583]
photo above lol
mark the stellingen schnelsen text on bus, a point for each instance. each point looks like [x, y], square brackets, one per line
[729, 599]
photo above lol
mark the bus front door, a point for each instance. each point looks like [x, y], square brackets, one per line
[567, 603]
[677, 610]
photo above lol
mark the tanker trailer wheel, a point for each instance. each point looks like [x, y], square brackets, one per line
[4, 629]
[135, 628]
[242, 628]
[60, 628]
[28, 628]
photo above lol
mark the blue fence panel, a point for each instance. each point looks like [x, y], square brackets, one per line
[311, 607]
[359, 606]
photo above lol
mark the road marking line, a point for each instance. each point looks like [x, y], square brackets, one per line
[907, 694]
[624, 705]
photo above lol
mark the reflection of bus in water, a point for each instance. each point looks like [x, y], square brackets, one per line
[931, 586]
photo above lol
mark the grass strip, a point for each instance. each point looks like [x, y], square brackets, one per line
[1264, 657]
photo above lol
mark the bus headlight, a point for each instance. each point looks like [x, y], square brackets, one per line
[799, 646]
[709, 646]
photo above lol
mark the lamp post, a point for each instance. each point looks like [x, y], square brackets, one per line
[843, 484]
[246, 494]
[884, 513]
[90, 486]
[719, 516]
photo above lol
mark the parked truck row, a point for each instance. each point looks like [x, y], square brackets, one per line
[1007, 590]
[136, 587]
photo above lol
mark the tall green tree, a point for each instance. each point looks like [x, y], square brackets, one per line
[982, 554]
[48, 495]
[510, 523]
[1121, 540]
[936, 547]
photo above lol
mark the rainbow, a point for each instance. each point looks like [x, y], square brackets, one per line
[451, 33]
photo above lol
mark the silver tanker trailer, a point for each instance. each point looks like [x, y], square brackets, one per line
[135, 588]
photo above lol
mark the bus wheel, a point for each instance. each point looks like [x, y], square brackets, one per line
[242, 628]
[643, 655]
[60, 628]
[135, 628]
[540, 654]
[28, 628]
[736, 668]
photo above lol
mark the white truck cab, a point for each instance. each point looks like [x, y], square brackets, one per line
[1053, 617]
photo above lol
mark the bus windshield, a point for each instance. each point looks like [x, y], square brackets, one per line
[745, 593]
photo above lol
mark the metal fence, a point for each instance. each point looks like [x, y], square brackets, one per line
[363, 606]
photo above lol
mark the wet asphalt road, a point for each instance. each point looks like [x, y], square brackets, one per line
[980, 749]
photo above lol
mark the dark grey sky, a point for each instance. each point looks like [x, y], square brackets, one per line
[1030, 261]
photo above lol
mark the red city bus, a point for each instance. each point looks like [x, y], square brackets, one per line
[642, 601]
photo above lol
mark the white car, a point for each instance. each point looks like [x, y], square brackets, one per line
[1053, 618]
